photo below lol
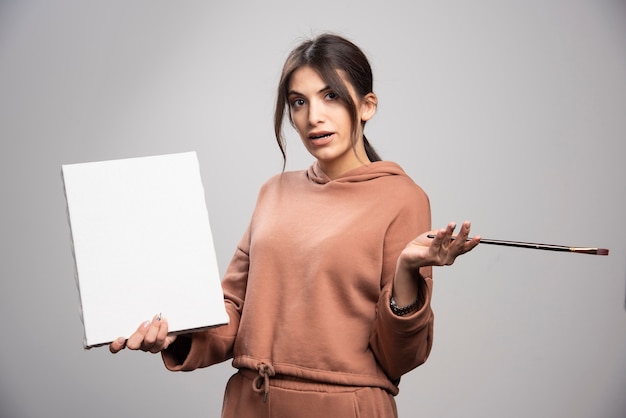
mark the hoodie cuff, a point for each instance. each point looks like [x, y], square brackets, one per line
[414, 321]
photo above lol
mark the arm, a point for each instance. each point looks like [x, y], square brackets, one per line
[401, 343]
[203, 348]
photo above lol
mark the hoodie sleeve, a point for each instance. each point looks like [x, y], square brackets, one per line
[215, 345]
[402, 343]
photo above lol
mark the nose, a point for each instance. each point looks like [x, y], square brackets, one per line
[316, 113]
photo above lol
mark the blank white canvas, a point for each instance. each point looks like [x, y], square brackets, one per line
[142, 245]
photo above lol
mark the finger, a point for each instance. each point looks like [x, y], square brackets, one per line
[448, 236]
[117, 345]
[134, 341]
[450, 229]
[465, 230]
[463, 234]
[437, 241]
[161, 336]
[469, 242]
[151, 335]
[472, 243]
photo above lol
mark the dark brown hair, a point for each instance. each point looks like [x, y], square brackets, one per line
[327, 54]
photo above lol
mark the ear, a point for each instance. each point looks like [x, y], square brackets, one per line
[368, 106]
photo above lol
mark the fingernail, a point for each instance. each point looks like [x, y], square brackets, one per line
[146, 324]
[454, 226]
[121, 340]
[159, 316]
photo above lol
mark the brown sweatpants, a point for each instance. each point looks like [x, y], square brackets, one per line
[293, 398]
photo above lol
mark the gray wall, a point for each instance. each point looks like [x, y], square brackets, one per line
[509, 113]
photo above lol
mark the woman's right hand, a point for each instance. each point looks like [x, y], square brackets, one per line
[150, 336]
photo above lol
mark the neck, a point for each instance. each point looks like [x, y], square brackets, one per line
[335, 169]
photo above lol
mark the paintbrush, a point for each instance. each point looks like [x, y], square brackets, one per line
[536, 246]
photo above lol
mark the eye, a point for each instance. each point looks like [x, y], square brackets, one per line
[297, 103]
[331, 95]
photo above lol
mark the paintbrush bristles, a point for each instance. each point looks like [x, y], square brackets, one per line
[594, 251]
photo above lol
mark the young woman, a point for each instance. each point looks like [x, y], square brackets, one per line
[329, 290]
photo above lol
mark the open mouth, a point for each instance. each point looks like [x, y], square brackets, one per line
[320, 136]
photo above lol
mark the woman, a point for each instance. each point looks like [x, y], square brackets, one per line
[329, 290]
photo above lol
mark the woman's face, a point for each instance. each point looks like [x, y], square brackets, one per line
[323, 122]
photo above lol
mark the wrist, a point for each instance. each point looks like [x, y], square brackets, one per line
[409, 262]
[403, 310]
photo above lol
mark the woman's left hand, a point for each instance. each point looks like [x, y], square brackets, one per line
[442, 250]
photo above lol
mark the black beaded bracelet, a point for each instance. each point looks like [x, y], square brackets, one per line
[402, 310]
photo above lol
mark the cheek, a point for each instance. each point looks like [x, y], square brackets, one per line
[297, 122]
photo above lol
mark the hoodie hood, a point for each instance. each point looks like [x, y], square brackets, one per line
[366, 172]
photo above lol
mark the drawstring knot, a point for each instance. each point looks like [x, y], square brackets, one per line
[261, 383]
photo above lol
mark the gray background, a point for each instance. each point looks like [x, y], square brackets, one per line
[509, 113]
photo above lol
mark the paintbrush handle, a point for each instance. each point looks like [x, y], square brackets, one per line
[537, 246]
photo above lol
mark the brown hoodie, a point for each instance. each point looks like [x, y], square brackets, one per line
[308, 288]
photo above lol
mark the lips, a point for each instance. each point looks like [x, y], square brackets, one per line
[320, 139]
[319, 135]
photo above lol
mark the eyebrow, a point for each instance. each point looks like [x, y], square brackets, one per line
[297, 93]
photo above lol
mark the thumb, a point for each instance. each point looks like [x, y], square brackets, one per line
[168, 341]
[117, 345]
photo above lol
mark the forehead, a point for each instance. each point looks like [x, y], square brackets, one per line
[306, 79]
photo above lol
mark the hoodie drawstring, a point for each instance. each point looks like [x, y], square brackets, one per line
[261, 383]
